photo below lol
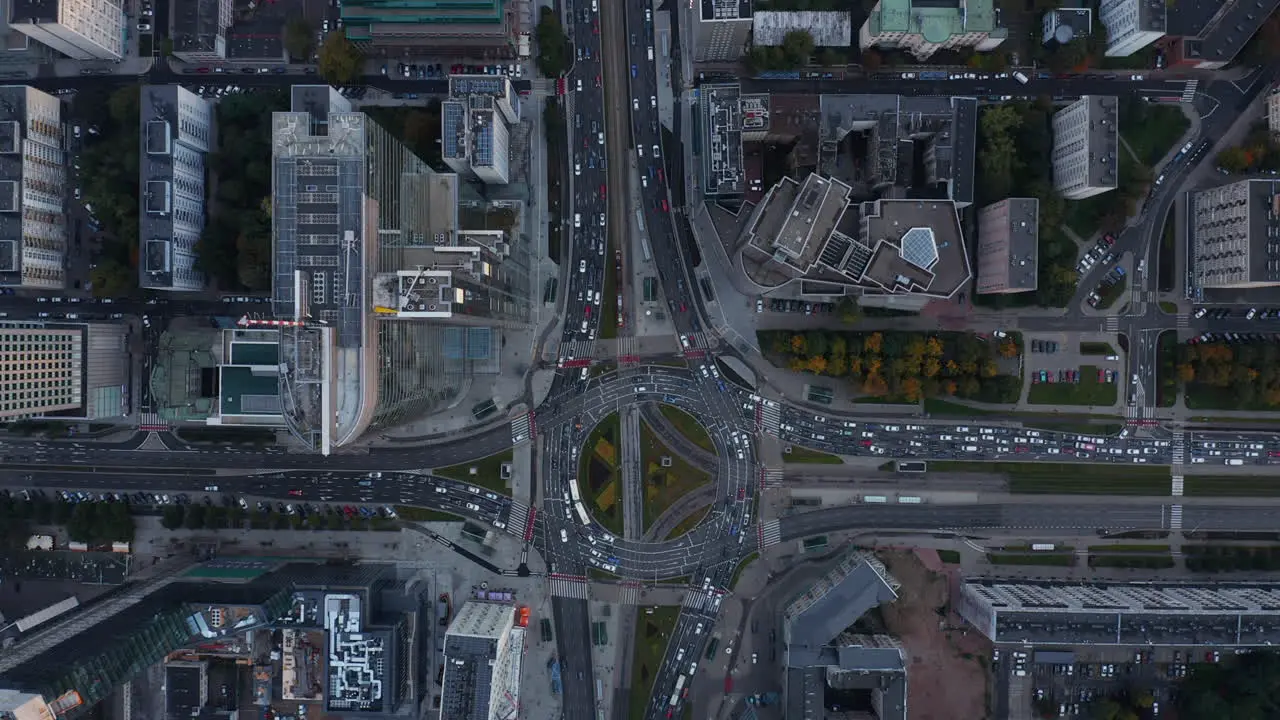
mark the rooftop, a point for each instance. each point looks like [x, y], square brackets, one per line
[829, 29]
[33, 11]
[1220, 28]
[169, 188]
[723, 115]
[195, 26]
[935, 20]
[726, 10]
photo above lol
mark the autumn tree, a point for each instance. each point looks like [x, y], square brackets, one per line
[340, 59]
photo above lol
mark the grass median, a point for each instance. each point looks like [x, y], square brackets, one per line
[652, 634]
[1061, 478]
[689, 523]
[1231, 485]
[664, 485]
[688, 426]
[803, 455]
[1031, 559]
[485, 472]
[742, 566]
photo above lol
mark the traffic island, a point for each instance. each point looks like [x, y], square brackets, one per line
[688, 426]
[653, 631]
[802, 455]
[486, 472]
[599, 474]
[667, 476]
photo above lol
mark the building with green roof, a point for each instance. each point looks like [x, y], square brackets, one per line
[480, 29]
[923, 27]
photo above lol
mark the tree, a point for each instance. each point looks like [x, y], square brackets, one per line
[554, 53]
[1071, 56]
[1234, 159]
[297, 39]
[112, 279]
[830, 57]
[797, 47]
[171, 519]
[195, 517]
[340, 60]
[872, 60]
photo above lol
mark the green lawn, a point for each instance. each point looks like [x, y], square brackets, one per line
[1086, 392]
[1129, 548]
[1167, 261]
[1154, 133]
[1166, 368]
[951, 557]
[485, 472]
[609, 303]
[1112, 293]
[599, 480]
[688, 426]
[689, 522]
[652, 634]
[1031, 559]
[942, 407]
[802, 455]
[663, 486]
[1084, 428]
[1231, 485]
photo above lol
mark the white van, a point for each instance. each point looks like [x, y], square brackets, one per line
[1020, 77]
[564, 535]
[651, 52]
[577, 220]
[1235, 461]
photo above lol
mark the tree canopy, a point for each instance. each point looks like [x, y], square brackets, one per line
[298, 39]
[109, 166]
[1245, 687]
[340, 59]
[554, 51]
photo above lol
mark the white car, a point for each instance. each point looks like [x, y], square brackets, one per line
[1201, 313]
[1253, 312]
[473, 507]
[635, 103]
[653, 101]
[582, 266]
[577, 168]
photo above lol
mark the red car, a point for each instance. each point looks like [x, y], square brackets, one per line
[1109, 239]
[588, 311]
[664, 206]
[742, 492]
[602, 191]
[660, 177]
[202, 70]
[683, 308]
[295, 493]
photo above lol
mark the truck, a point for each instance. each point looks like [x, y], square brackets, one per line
[546, 629]
[1020, 77]
[554, 666]
[1043, 546]
[443, 608]
[933, 75]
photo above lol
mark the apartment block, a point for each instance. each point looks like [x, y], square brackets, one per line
[62, 370]
[483, 650]
[723, 30]
[475, 127]
[923, 28]
[177, 131]
[1207, 36]
[198, 29]
[1086, 145]
[1063, 25]
[33, 189]
[459, 28]
[1235, 235]
[1008, 238]
[1132, 24]
[79, 29]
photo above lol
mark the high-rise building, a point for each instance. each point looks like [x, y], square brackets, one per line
[1273, 111]
[1207, 36]
[1235, 235]
[1132, 24]
[176, 132]
[1086, 147]
[33, 189]
[459, 28]
[198, 29]
[724, 27]
[483, 649]
[393, 309]
[1008, 236]
[79, 29]
[475, 127]
[63, 370]
[923, 28]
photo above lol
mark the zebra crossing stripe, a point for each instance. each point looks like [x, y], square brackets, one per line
[1175, 517]
[520, 429]
[561, 587]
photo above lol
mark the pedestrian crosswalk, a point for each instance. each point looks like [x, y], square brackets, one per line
[699, 343]
[152, 421]
[1179, 444]
[1184, 320]
[1175, 517]
[577, 350]
[521, 429]
[568, 587]
[1135, 415]
[770, 478]
[629, 593]
[628, 349]
[768, 418]
[1189, 91]
[697, 600]
[518, 520]
[770, 533]
[1176, 489]
[1111, 323]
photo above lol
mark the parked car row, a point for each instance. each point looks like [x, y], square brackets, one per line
[779, 305]
[1232, 338]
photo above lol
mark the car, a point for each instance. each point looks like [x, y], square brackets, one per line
[653, 101]
[582, 266]
[577, 168]
[1135, 77]
[211, 488]
[473, 507]
[144, 26]
[759, 306]
[635, 103]
[1200, 313]
[1253, 312]
[295, 492]
[1109, 239]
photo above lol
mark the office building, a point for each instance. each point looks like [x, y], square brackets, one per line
[1008, 238]
[456, 28]
[1273, 111]
[725, 116]
[483, 649]
[79, 29]
[248, 379]
[1064, 25]
[63, 370]
[1132, 24]
[1207, 36]
[1140, 614]
[821, 652]
[475, 127]
[1086, 147]
[392, 309]
[923, 28]
[198, 29]
[33, 189]
[827, 28]
[813, 233]
[1235, 235]
[177, 131]
[723, 30]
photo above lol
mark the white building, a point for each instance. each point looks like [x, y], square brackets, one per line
[924, 28]
[1086, 146]
[1132, 24]
[483, 649]
[476, 125]
[724, 27]
[79, 29]
[176, 132]
[33, 189]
